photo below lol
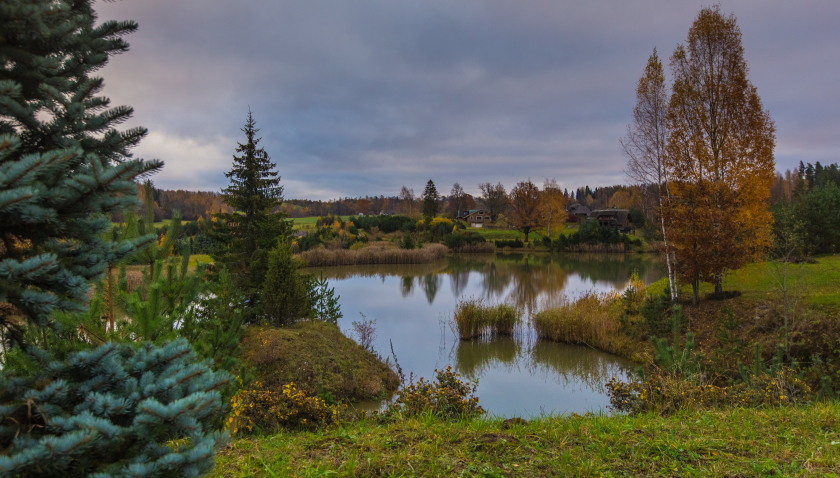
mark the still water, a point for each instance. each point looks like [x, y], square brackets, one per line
[413, 305]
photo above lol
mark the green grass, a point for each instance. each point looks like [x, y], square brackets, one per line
[195, 258]
[819, 283]
[795, 441]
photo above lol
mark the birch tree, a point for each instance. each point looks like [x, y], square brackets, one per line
[644, 147]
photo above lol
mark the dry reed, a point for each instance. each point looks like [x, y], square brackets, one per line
[474, 319]
[372, 255]
[612, 248]
[592, 319]
[479, 248]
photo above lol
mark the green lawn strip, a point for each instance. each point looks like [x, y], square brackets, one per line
[784, 441]
[818, 283]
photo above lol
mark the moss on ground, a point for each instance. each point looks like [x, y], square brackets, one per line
[318, 358]
[786, 441]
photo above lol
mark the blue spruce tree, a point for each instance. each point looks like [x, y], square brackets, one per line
[114, 410]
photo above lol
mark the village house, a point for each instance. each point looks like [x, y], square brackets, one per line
[618, 219]
[579, 210]
[475, 217]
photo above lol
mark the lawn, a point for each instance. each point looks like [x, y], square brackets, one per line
[819, 282]
[308, 222]
[787, 441]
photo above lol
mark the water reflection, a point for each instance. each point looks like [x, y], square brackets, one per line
[412, 303]
[521, 279]
[566, 365]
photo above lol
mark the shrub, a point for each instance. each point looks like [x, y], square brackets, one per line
[514, 244]
[462, 240]
[665, 393]
[592, 237]
[266, 411]
[447, 397]
[407, 242]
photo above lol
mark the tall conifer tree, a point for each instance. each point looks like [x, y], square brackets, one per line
[431, 200]
[114, 410]
[253, 229]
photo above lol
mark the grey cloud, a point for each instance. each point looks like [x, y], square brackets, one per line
[362, 97]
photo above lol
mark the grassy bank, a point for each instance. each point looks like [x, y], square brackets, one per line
[800, 441]
[317, 358]
[372, 254]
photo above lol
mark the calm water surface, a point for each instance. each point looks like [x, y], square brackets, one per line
[413, 304]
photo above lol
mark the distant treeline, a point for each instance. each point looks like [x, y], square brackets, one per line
[195, 204]
[191, 204]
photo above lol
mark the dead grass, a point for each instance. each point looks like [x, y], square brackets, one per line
[610, 248]
[592, 319]
[480, 248]
[373, 254]
[317, 358]
[475, 319]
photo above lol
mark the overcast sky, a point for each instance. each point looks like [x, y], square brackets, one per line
[361, 97]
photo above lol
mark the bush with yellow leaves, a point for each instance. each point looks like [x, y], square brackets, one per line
[665, 393]
[265, 411]
[447, 397]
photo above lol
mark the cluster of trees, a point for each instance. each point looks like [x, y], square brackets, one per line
[118, 354]
[805, 208]
[82, 393]
[702, 157]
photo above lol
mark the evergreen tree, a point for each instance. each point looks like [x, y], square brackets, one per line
[286, 292]
[250, 232]
[431, 199]
[324, 302]
[216, 323]
[114, 410]
[60, 173]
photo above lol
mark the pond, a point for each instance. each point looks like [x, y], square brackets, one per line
[413, 305]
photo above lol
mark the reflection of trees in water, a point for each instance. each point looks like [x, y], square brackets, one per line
[431, 283]
[458, 280]
[494, 281]
[473, 357]
[407, 283]
[568, 365]
[519, 278]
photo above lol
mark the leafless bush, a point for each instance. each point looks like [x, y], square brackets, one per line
[365, 332]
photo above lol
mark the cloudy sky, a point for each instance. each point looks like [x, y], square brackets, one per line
[360, 97]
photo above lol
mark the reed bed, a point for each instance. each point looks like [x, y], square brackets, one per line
[372, 255]
[479, 248]
[612, 248]
[592, 319]
[475, 319]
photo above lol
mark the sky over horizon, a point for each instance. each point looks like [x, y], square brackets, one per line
[360, 98]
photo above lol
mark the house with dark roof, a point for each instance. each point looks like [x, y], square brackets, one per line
[477, 218]
[618, 219]
[579, 210]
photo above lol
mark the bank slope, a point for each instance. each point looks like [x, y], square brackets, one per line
[795, 441]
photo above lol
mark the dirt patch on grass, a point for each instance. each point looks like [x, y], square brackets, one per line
[318, 358]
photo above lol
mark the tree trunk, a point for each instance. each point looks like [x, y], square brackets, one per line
[695, 289]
